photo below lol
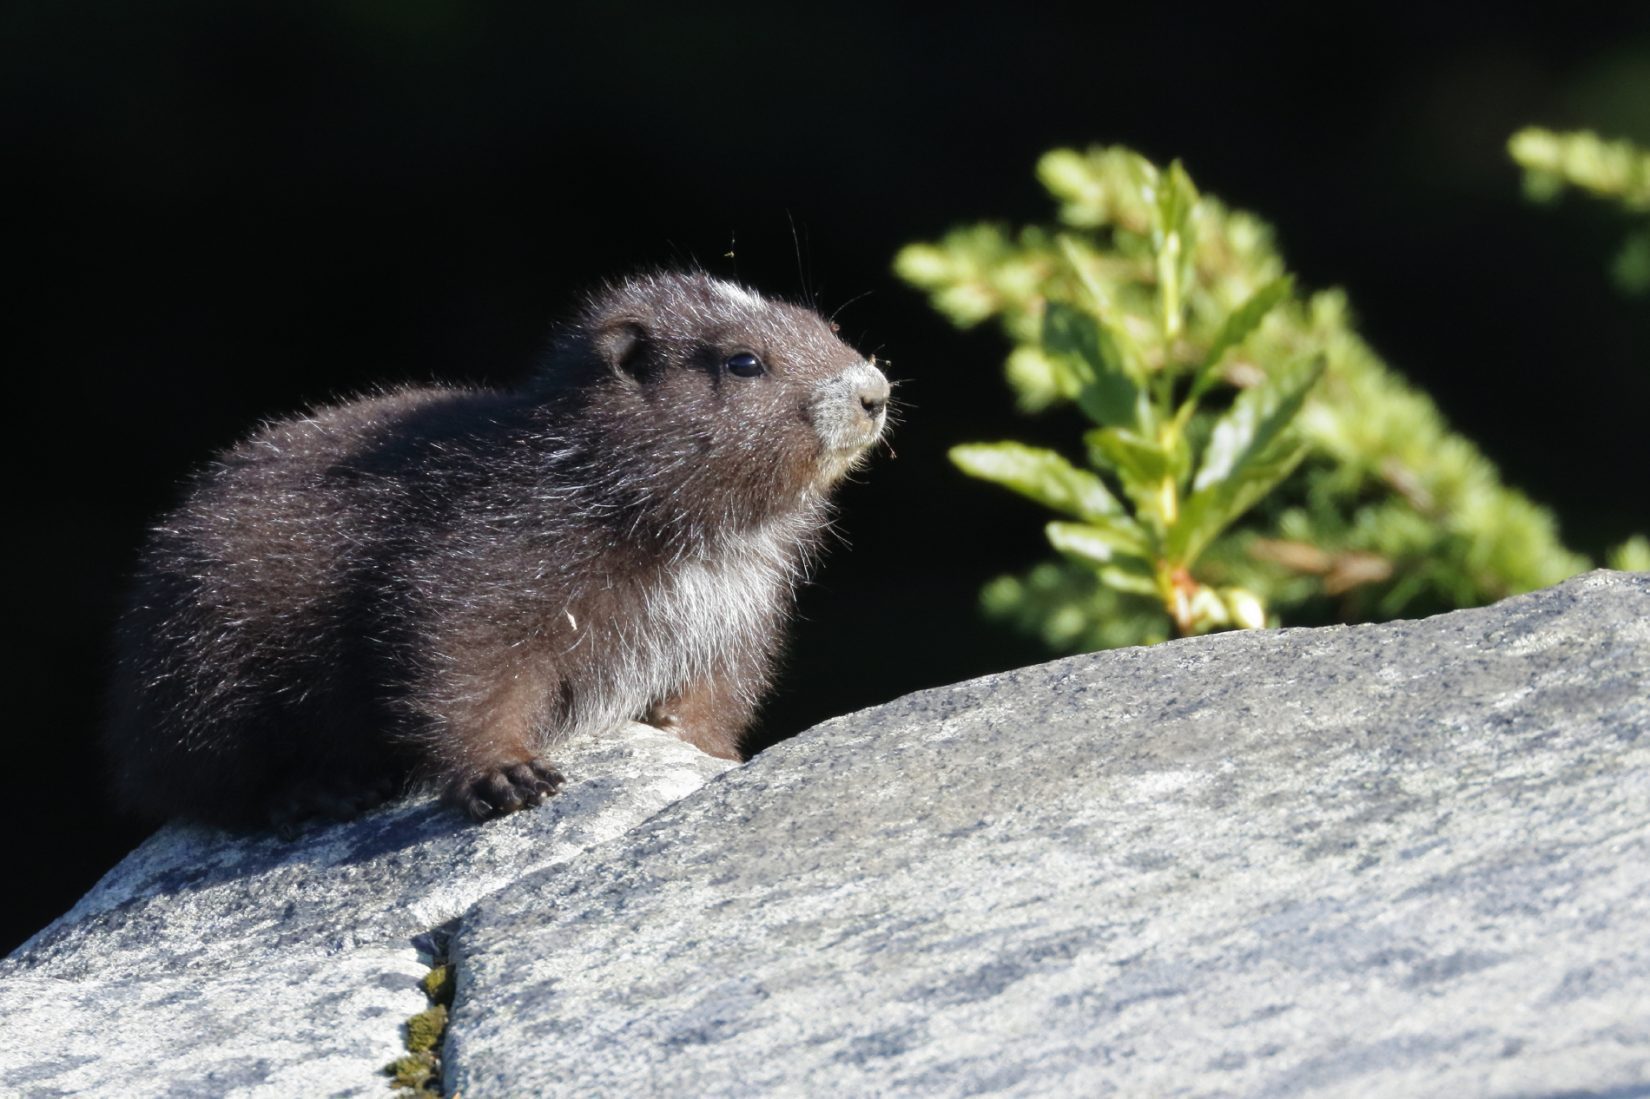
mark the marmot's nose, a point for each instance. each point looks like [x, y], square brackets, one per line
[873, 396]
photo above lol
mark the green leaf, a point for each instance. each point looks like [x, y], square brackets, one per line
[1038, 381]
[1142, 464]
[1207, 513]
[1104, 361]
[1115, 542]
[1248, 454]
[1632, 555]
[1238, 326]
[1130, 575]
[1631, 267]
[1071, 179]
[1173, 241]
[1041, 475]
[1255, 420]
[1064, 603]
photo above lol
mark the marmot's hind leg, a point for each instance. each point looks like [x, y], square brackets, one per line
[327, 798]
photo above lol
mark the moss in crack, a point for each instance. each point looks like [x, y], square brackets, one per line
[418, 1074]
[425, 1029]
[438, 984]
[414, 1075]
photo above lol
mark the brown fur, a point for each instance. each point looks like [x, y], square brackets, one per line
[437, 585]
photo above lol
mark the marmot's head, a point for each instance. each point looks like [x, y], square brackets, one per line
[721, 406]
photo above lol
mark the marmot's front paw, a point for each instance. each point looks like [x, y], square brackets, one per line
[504, 789]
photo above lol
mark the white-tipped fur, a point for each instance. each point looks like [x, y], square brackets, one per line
[708, 613]
[738, 295]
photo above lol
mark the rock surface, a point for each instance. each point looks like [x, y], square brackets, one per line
[1408, 859]
[209, 964]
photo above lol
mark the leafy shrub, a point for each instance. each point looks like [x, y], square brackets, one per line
[1618, 171]
[1249, 456]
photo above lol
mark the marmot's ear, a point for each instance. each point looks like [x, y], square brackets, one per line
[621, 343]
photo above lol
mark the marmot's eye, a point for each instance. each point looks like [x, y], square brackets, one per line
[743, 365]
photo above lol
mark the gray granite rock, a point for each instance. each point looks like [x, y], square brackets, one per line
[296, 1024]
[1409, 859]
[209, 964]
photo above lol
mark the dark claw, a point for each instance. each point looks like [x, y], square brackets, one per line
[553, 779]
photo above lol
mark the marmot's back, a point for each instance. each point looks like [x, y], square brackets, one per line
[241, 642]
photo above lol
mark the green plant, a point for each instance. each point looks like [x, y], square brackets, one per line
[1248, 454]
[1615, 170]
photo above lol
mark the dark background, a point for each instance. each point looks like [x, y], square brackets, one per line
[221, 211]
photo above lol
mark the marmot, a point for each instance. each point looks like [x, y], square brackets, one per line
[435, 586]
